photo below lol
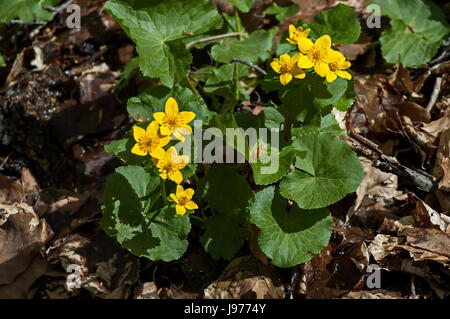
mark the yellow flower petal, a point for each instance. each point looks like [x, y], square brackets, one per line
[136, 150]
[164, 130]
[296, 57]
[163, 175]
[159, 117]
[321, 69]
[158, 153]
[179, 191]
[179, 136]
[344, 65]
[290, 41]
[187, 116]
[324, 42]
[344, 74]
[189, 192]
[285, 78]
[164, 140]
[152, 129]
[276, 66]
[184, 129]
[182, 161]
[174, 198]
[331, 76]
[138, 132]
[176, 176]
[305, 44]
[180, 210]
[301, 75]
[291, 30]
[171, 106]
[191, 205]
[334, 56]
[285, 58]
[305, 62]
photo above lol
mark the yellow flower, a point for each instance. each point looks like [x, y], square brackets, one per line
[174, 122]
[296, 34]
[316, 55]
[170, 164]
[149, 141]
[183, 198]
[337, 66]
[288, 67]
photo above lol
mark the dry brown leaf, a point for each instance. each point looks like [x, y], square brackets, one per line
[22, 238]
[424, 215]
[246, 277]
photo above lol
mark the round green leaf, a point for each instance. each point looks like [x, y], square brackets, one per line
[289, 237]
[224, 236]
[416, 33]
[339, 22]
[329, 171]
[158, 28]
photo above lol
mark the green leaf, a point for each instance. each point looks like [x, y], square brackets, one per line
[255, 48]
[346, 100]
[340, 23]
[330, 171]
[224, 236]
[282, 13]
[158, 28]
[128, 194]
[128, 72]
[26, 10]
[122, 148]
[2, 61]
[289, 237]
[242, 5]
[416, 33]
[272, 117]
[271, 165]
[308, 96]
[227, 191]
[221, 82]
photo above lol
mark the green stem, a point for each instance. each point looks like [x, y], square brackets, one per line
[287, 130]
[236, 86]
[191, 86]
[200, 219]
[238, 23]
[151, 219]
[163, 191]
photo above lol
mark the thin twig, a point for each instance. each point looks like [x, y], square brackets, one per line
[248, 63]
[17, 21]
[59, 8]
[370, 150]
[212, 38]
[435, 94]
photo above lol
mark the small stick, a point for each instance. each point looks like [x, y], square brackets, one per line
[253, 66]
[389, 164]
[435, 94]
[59, 8]
[16, 21]
[212, 38]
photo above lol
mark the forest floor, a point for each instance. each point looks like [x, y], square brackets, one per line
[59, 107]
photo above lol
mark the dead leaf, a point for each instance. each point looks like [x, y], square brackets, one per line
[22, 237]
[246, 277]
